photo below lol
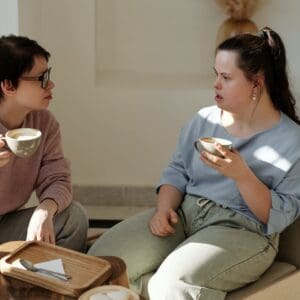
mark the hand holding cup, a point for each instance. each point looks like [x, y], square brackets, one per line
[5, 155]
[23, 142]
[209, 144]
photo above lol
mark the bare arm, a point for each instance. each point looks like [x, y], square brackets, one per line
[256, 194]
[168, 200]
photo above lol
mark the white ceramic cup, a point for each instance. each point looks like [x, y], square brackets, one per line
[209, 144]
[23, 142]
[109, 292]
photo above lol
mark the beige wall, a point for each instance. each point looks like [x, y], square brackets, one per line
[130, 73]
[9, 17]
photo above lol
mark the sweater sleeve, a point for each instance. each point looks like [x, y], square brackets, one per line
[54, 179]
[285, 201]
[176, 173]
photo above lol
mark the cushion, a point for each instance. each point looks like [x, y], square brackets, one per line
[276, 271]
[289, 244]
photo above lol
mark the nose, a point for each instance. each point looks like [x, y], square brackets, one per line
[50, 85]
[217, 83]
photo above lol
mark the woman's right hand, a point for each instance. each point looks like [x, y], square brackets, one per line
[4, 155]
[162, 222]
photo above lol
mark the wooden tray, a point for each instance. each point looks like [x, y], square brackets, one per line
[84, 269]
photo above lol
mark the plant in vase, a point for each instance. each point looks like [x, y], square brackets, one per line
[239, 12]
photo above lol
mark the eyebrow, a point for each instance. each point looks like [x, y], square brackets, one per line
[223, 73]
[40, 73]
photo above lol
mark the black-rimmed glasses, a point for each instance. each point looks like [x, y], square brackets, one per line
[44, 78]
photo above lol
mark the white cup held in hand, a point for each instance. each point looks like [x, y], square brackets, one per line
[209, 144]
[23, 142]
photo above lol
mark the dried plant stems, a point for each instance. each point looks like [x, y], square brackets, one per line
[239, 9]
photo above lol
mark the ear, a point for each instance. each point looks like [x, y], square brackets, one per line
[7, 88]
[258, 81]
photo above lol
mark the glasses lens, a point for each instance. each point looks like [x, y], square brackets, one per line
[46, 78]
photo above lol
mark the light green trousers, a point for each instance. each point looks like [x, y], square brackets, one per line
[213, 251]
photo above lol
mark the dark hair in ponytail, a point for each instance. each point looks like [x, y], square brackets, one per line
[265, 53]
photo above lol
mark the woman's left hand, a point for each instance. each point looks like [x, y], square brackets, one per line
[231, 165]
[40, 227]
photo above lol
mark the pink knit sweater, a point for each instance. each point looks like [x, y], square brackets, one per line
[46, 171]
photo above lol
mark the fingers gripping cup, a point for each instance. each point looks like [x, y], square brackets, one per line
[209, 144]
[23, 142]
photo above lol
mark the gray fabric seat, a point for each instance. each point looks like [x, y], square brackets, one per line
[277, 271]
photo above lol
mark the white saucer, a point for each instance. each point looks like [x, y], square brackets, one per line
[108, 288]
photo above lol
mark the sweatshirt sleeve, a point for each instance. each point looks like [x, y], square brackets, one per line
[54, 179]
[176, 173]
[285, 201]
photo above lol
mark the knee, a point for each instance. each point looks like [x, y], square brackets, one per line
[72, 228]
[178, 289]
[123, 238]
[164, 288]
[155, 287]
[168, 285]
[77, 216]
[78, 221]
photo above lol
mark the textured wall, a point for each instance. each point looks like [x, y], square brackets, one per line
[130, 73]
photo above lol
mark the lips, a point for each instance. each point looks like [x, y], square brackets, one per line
[218, 97]
[49, 97]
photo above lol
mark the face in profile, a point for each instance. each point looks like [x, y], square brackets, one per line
[233, 91]
[34, 91]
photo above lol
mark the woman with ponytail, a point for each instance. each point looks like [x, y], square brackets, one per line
[218, 219]
[264, 55]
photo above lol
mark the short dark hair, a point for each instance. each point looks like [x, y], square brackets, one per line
[265, 53]
[17, 55]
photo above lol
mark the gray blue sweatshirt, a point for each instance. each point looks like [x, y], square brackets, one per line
[273, 155]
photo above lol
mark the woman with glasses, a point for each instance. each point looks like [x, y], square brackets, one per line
[25, 94]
